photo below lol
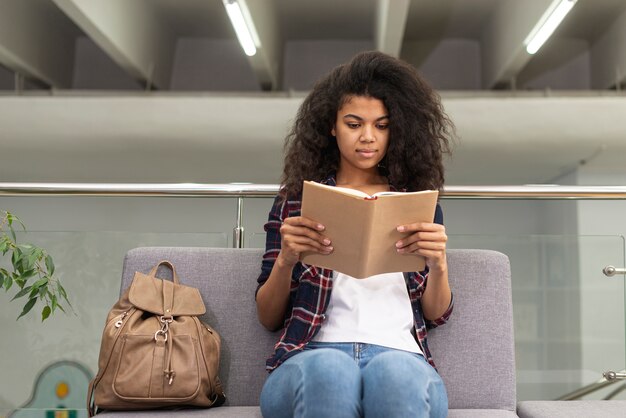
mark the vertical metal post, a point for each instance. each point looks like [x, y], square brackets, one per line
[150, 77]
[18, 82]
[238, 231]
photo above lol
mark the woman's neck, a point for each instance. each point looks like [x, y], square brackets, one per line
[368, 182]
[347, 177]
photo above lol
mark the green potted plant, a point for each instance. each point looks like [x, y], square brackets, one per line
[32, 271]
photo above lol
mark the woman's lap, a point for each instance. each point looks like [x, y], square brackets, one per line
[354, 380]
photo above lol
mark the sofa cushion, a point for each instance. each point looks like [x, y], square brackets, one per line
[571, 409]
[220, 412]
[481, 413]
[255, 412]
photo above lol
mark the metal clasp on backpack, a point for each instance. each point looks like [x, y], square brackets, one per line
[165, 327]
[160, 332]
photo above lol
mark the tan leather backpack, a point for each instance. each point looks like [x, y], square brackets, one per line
[155, 352]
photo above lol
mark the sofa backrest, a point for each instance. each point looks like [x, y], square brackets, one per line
[473, 352]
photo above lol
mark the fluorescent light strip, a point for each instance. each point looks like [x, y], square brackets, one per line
[244, 34]
[547, 25]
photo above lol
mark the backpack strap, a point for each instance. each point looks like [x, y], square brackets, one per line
[170, 265]
[91, 403]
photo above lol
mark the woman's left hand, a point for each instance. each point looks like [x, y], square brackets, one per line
[426, 239]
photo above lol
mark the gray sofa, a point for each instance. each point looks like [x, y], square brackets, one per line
[474, 351]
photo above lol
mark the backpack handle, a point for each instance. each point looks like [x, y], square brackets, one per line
[170, 265]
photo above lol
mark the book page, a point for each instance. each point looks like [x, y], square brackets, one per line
[344, 217]
[346, 190]
[391, 212]
[401, 193]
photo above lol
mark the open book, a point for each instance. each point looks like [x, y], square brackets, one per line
[362, 228]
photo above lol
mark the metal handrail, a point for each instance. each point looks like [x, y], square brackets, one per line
[269, 190]
[139, 189]
[608, 378]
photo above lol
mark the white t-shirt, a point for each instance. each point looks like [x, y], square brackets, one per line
[376, 310]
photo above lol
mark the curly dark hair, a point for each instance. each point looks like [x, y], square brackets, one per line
[419, 130]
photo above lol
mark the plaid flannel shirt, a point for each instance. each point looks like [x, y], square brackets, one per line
[311, 288]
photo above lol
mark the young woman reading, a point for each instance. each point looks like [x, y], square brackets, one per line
[357, 347]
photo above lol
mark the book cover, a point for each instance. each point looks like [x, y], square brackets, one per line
[362, 228]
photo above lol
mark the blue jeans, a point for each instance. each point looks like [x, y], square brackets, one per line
[337, 380]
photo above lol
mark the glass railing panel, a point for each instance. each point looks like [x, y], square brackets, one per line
[255, 217]
[89, 265]
[568, 316]
[602, 312]
[257, 240]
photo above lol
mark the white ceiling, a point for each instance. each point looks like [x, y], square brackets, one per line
[509, 137]
[141, 35]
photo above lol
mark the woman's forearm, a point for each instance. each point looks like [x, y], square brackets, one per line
[273, 297]
[437, 295]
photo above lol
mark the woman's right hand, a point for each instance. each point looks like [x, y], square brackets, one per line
[299, 234]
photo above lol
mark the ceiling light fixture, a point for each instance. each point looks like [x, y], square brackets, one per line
[241, 20]
[548, 23]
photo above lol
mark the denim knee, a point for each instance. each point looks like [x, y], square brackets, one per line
[401, 384]
[315, 383]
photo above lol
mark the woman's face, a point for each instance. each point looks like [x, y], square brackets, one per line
[362, 132]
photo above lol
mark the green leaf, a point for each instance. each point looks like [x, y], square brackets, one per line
[29, 305]
[36, 254]
[28, 260]
[45, 313]
[54, 302]
[8, 282]
[21, 293]
[62, 291]
[19, 280]
[64, 295]
[61, 308]
[49, 265]
[4, 244]
[27, 274]
[16, 257]
[11, 218]
[41, 282]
